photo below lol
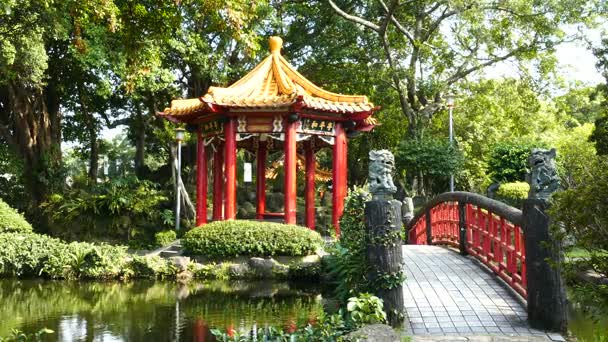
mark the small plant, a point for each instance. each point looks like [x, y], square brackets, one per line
[19, 336]
[164, 238]
[366, 309]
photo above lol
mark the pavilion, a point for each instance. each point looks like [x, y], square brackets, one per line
[272, 107]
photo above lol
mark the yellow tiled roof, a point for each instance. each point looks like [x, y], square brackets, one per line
[273, 85]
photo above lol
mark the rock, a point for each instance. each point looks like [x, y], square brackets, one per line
[267, 268]
[375, 333]
[180, 262]
[261, 266]
[238, 271]
[184, 277]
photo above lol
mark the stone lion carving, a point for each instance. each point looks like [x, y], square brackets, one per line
[542, 178]
[381, 166]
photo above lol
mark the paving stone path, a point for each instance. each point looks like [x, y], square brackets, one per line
[450, 295]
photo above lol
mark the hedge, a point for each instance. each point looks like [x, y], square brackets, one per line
[11, 220]
[233, 238]
[513, 193]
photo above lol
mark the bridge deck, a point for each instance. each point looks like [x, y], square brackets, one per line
[448, 294]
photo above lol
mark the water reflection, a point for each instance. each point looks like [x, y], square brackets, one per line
[151, 311]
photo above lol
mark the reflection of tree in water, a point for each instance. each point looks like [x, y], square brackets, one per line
[145, 310]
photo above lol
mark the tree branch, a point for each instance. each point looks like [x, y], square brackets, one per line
[397, 24]
[353, 18]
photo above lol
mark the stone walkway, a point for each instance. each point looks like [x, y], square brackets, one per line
[449, 295]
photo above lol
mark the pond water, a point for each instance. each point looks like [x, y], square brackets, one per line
[151, 311]
[585, 328]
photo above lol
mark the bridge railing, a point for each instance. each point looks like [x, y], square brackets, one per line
[477, 225]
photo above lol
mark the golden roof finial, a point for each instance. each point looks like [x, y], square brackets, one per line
[275, 44]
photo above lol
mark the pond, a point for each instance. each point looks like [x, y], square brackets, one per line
[585, 328]
[152, 311]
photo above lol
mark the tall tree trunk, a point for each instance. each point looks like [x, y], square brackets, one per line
[140, 142]
[31, 132]
[93, 155]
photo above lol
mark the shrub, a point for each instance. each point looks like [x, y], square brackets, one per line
[235, 238]
[164, 238]
[348, 263]
[513, 193]
[123, 208]
[434, 159]
[11, 220]
[27, 255]
[508, 161]
[149, 267]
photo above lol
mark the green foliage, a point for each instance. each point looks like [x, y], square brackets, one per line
[513, 193]
[330, 328]
[149, 267]
[164, 238]
[508, 161]
[363, 309]
[348, 262]
[600, 135]
[491, 111]
[35, 255]
[11, 220]
[19, 336]
[431, 161]
[574, 151]
[223, 239]
[122, 208]
[583, 210]
[366, 309]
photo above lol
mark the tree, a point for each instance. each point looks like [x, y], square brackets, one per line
[37, 36]
[431, 45]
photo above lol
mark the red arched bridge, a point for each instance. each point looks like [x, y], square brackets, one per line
[447, 293]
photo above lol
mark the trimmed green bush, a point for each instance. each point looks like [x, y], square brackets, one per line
[11, 220]
[223, 239]
[33, 255]
[164, 238]
[513, 193]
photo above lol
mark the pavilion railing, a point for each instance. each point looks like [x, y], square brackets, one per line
[477, 225]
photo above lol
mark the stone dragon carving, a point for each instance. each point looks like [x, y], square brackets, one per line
[542, 177]
[381, 166]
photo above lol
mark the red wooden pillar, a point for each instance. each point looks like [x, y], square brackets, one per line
[218, 183]
[309, 198]
[201, 181]
[339, 177]
[290, 172]
[230, 168]
[260, 179]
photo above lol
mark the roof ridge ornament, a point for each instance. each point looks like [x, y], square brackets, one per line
[275, 44]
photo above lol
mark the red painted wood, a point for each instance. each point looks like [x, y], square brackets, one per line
[218, 183]
[260, 179]
[491, 239]
[201, 181]
[290, 172]
[339, 177]
[309, 192]
[230, 168]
